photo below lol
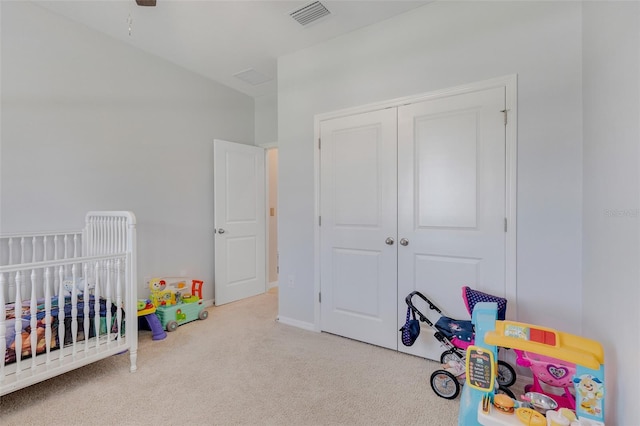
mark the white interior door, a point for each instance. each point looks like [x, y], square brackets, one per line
[451, 204]
[240, 229]
[358, 215]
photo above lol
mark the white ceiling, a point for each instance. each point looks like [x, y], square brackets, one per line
[218, 39]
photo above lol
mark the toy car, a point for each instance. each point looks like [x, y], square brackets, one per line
[174, 306]
[171, 316]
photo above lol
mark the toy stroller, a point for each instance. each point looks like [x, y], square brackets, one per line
[455, 336]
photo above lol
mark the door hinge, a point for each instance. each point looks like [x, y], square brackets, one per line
[319, 297]
[505, 224]
[319, 220]
[319, 143]
[504, 111]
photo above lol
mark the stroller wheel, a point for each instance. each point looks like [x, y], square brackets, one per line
[445, 384]
[506, 374]
[450, 355]
[506, 391]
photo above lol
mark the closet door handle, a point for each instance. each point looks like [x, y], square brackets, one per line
[389, 241]
[221, 231]
[404, 242]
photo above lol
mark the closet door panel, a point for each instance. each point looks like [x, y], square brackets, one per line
[358, 192]
[445, 159]
[451, 203]
[355, 160]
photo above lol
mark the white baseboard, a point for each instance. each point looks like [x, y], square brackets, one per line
[272, 284]
[297, 323]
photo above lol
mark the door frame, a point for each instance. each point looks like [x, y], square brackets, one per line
[510, 83]
[269, 146]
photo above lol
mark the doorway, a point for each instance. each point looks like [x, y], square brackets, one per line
[272, 217]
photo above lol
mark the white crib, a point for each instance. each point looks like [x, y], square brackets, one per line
[70, 295]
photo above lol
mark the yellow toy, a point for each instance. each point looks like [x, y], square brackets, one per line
[168, 294]
[588, 376]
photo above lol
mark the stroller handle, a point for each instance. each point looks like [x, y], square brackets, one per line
[415, 310]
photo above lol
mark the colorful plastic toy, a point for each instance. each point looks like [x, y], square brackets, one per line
[147, 311]
[552, 372]
[587, 355]
[174, 306]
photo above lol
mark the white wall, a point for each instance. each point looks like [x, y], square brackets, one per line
[89, 123]
[611, 52]
[441, 45]
[266, 110]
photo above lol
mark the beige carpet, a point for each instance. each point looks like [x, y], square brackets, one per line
[240, 367]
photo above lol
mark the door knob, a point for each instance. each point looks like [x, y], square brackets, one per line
[404, 242]
[221, 231]
[389, 241]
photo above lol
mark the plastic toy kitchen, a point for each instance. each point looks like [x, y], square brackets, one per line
[571, 364]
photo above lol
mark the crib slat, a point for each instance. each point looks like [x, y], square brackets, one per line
[11, 286]
[118, 299]
[18, 323]
[109, 300]
[48, 318]
[22, 259]
[109, 225]
[112, 235]
[61, 303]
[65, 239]
[118, 234]
[55, 247]
[104, 236]
[108, 243]
[10, 247]
[74, 309]
[96, 308]
[86, 300]
[100, 226]
[3, 325]
[33, 313]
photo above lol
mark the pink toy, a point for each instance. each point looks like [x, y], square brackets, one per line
[551, 371]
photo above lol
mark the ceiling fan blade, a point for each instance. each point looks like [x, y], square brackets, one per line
[146, 2]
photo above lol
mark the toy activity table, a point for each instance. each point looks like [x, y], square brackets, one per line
[587, 354]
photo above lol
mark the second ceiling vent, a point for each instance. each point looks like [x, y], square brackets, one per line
[310, 13]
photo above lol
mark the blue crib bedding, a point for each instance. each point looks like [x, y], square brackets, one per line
[41, 321]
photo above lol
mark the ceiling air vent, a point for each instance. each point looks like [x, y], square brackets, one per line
[252, 77]
[310, 13]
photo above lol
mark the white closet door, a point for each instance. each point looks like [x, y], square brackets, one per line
[451, 204]
[358, 210]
